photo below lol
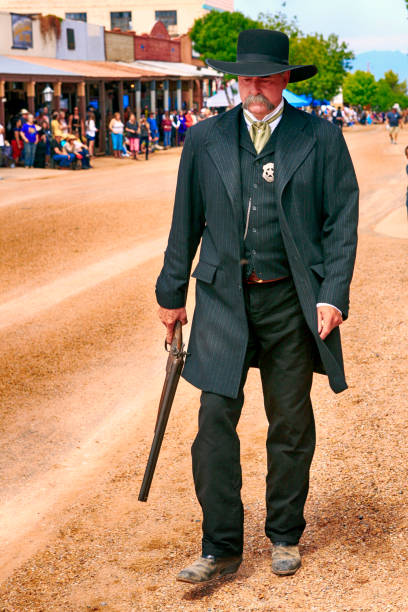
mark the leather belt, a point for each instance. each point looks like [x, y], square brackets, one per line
[253, 279]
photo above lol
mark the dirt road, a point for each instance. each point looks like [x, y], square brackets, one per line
[81, 370]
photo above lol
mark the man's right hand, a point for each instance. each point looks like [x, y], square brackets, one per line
[169, 316]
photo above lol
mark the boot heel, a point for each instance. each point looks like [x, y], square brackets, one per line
[231, 569]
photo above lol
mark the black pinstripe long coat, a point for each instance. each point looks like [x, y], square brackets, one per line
[317, 195]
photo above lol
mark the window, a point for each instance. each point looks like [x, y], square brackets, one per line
[122, 20]
[76, 16]
[70, 39]
[169, 18]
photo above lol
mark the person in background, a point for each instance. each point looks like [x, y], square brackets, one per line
[154, 131]
[24, 115]
[144, 136]
[55, 124]
[81, 152]
[393, 122]
[126, 115]
[60, 156]
[166, 126]
[183, 127]
[63, 122]
[46, 115]
[76, 124]
[338, 118]
[17, 143]
[175, 126]
[189, 119]
[42, 115]
[42, 151]
[116, 129]
[30, 138]
[90, 132]
[132, 134]
[2, 144]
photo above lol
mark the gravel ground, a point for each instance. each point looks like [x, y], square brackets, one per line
[80, 383]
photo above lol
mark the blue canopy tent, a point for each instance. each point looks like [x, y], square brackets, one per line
[293, 99]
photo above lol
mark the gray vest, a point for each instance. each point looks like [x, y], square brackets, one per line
[264, 248]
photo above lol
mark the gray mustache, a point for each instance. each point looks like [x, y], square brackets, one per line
[258, 99]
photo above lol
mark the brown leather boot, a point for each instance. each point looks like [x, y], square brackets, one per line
[208, 567]
[285, 559]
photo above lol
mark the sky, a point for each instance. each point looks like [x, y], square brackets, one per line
[366, 25]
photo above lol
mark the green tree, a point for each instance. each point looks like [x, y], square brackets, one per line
[279, 21]
[331, 57]
[390, 91]
[360, 88]
[215, 35]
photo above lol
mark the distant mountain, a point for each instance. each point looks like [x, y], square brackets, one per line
[378, 62]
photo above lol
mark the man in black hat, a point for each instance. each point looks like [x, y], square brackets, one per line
[271, 193]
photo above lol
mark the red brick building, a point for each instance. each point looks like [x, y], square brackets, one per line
[157, 45]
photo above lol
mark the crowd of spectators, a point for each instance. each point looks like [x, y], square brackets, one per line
[42, 141]
[65, 140]
[347, 116]
[68, 140]
[134, 138]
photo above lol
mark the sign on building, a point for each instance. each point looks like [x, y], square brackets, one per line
[22, 31]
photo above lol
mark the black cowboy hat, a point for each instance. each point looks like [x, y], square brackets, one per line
[262, 53]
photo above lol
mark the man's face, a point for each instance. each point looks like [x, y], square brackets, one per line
[260, 95]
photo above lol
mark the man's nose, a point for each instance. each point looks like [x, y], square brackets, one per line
[256, 87]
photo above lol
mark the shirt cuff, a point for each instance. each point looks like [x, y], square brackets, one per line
[325, 304]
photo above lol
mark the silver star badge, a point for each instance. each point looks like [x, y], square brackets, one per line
[268, 172]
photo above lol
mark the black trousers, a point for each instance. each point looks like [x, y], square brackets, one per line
[283, 346]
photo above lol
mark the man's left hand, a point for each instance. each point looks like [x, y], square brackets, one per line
[327, 319]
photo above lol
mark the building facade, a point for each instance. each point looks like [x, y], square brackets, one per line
[137, 15]
[23, 36]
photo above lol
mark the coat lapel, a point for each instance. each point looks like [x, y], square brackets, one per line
[293, 144]
[223, 147]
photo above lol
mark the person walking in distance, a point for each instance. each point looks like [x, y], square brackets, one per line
[271, 194]
[393, 122]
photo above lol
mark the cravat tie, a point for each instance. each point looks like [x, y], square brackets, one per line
[260, 131]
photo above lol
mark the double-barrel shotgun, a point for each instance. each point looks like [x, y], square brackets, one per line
[175, 363]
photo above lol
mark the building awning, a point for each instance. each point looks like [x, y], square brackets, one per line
[16, 66]
[45, 66]
[175, 69]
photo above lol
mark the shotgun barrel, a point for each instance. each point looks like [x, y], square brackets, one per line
[175, 363]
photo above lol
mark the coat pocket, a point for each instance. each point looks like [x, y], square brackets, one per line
[205, 272]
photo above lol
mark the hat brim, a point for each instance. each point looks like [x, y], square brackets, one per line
[252, 69]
